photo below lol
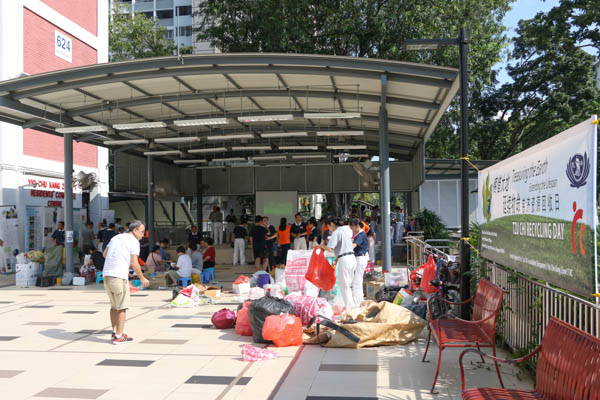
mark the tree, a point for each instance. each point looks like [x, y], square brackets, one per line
[136, 37]
[553, 84]
[366, 28]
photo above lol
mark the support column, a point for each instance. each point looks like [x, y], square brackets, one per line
[150, 201]
[465, 251]
[199, 210]
[384, 167]
[68, 172]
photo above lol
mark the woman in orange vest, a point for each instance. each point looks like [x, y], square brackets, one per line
[283, 235]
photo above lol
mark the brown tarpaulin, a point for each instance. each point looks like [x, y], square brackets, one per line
[392, 325]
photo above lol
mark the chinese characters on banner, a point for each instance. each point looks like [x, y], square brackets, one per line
[537, 210]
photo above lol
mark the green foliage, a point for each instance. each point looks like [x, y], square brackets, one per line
[431, 224]
[553, 84]
[369, 28]
[136, 37]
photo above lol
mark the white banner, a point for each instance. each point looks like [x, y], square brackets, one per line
[537, 210]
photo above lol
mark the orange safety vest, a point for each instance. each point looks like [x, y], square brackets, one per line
[284, 235]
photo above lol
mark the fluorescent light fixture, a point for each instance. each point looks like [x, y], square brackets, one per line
[230, 137]
[201, 122]
[229, 159]
[266, 118]
[314, 156]
[126, 141]
[208, 150]
[188, 161]
[348, 147]
[257, 148]
[298, 147]
[163, 153]
[283, 134]
[82, 129]
[331, 115]
[340, 133]
[351, 155]
[264, 158]
[141, 125]
[177, 139]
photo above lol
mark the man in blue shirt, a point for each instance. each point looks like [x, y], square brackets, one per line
[360, 244]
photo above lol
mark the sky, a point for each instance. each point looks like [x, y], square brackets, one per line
[521, 9]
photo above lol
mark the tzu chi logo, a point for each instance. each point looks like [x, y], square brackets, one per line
[578, 169]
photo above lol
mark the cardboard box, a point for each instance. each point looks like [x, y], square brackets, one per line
[160, 280]
[27, 274]
[78, 281]
[371, 288]
[242, 288]
[213, 291]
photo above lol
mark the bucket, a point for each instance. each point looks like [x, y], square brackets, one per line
[58, 281]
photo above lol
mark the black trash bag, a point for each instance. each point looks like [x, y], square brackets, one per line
[387, 294]
[261, 308]
[419, 309]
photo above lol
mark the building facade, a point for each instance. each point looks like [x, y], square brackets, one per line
[179, 17]
[38, 36]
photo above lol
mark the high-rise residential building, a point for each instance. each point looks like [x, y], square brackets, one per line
[179, 17]
[38, 36]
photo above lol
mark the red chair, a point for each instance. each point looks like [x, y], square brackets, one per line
[568, 367]
[479, 332]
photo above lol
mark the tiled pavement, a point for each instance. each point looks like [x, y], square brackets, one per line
[63, 351]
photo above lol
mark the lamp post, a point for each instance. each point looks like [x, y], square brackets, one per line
[465, 253]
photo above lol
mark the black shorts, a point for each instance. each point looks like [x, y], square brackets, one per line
[263, 254]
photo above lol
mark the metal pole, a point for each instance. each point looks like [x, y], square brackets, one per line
[465, 253]
[68, 171]
[384, 167]
[150, 202]
[199, 200]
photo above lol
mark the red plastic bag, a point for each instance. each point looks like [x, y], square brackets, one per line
[251, 353]
[223, 319]
[241, 279]
[242, 325]
[428, 275]
[320, 272]
[284, 330]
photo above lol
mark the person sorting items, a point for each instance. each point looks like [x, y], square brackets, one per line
[121, 253]
[340, 243]
[183, 268]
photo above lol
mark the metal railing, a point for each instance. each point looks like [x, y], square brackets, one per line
[528, 306]
[415, 249]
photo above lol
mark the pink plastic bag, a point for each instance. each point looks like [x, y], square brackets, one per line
[306, 307]
[251, 353]
[296, 268]
[223, 319]
[284, 330]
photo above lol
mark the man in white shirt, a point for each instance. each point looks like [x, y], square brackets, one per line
[121, 253]
[183, 269]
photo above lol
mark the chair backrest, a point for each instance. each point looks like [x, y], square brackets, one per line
[569, 363]
[488, 300]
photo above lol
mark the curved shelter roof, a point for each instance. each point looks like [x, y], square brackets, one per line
[245, 89]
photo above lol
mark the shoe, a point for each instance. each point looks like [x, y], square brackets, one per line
[123, 339]
[113, 336]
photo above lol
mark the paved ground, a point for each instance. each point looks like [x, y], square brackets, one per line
[54, 343]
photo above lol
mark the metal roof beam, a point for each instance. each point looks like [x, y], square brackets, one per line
[36, 112]
[256, 63]
[252, 93]
[145, 93]
[34, 122]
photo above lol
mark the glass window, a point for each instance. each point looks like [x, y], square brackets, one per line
[184, 10]
[185, 30]
[164, 14]
[169, 34]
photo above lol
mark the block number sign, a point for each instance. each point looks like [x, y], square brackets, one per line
[63, 46]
